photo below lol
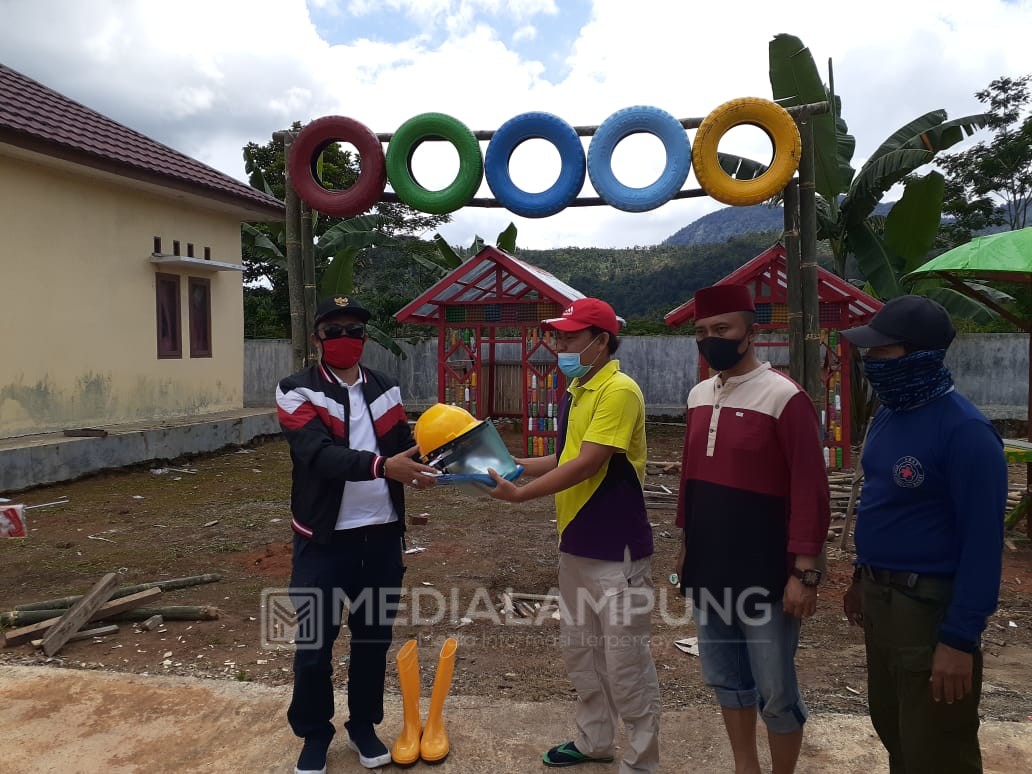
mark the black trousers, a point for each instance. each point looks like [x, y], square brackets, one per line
[364, 566]
[901, 630]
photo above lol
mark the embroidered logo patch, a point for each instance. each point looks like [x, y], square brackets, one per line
[908, 472]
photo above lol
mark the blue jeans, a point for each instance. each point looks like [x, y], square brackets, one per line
[363, 564]
[749, 660]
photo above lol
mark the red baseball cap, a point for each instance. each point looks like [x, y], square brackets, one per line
[584, 313]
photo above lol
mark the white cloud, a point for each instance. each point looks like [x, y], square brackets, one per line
[207, 77]
[526, 32]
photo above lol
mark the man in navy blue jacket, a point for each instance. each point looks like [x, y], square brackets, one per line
[929, 542]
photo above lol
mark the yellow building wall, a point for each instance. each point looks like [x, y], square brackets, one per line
[78, 341]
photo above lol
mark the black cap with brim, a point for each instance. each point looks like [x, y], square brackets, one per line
[334, 305]
[865, 337]
[916, 321]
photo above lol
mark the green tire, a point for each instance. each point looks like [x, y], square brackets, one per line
[403, 144]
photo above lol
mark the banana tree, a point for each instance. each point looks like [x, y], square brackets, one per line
[846, 199]
[340, 245]
[447, 258]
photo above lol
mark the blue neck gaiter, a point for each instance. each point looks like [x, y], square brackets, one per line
[904, 383]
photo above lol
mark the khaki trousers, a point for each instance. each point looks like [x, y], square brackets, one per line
[606, 620]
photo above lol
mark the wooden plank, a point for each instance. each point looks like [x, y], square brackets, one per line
[85, 634]
[79, 613]
[113, 607]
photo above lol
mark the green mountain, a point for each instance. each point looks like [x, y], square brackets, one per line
[645, 283]
[731, 222]
[727, 223]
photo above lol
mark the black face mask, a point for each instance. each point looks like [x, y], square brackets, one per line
[721, 354]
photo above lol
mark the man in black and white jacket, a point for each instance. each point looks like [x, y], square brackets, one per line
[353, 454]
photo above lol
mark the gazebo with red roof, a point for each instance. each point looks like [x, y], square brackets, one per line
[490, 300]
[842, 306]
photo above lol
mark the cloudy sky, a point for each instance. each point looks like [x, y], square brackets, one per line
[208, 76]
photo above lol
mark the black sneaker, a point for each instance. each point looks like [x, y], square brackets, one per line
[372, 753]
[313, 755]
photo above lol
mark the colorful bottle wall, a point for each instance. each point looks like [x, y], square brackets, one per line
[543, 385]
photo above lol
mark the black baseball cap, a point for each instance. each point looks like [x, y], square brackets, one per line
[915, 321]
[335, 305]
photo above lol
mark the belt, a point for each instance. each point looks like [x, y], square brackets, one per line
[898, 577]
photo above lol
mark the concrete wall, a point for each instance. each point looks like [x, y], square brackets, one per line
[990, 369]
[266, 361]
[78, 345]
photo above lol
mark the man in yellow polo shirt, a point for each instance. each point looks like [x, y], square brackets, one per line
[605, 543]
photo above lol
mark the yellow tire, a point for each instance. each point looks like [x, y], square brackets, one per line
[779, 126]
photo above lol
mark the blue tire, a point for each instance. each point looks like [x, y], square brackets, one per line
[534, 126]
[621, 124]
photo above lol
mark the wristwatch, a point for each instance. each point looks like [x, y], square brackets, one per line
[809, 577]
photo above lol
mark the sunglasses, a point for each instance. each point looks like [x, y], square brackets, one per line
[335, 331]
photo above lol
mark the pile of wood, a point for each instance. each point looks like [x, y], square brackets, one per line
[50, 624]
[514, 604]
[659, 497]
[1014, 498]
[840, 482]
[660, 468]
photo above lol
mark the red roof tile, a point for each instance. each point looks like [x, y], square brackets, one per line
[38, 118]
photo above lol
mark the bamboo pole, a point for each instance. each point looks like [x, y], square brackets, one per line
[813, 383]
[295, 274]
[166, 585]
[308, 274]
[793, 280]
[854, 493]
[171, 613]
[813, 108]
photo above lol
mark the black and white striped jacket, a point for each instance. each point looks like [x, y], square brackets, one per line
[313, 413]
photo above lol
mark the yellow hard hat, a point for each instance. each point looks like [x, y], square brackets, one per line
[440, 424]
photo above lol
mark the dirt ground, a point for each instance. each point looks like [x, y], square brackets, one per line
[74, 721]
[150, 526]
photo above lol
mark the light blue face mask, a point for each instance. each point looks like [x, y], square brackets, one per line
[570, 364]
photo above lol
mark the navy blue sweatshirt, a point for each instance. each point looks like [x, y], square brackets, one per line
[934, 496]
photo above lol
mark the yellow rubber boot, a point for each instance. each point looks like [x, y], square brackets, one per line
[433, 747]
[405, 751]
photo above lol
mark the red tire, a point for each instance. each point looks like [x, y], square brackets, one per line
[372, 177]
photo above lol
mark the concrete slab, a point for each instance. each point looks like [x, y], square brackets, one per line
[62, 720]
[50, 458]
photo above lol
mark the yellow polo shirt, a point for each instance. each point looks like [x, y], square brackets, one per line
[608, 410]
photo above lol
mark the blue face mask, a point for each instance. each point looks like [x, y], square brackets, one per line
[570, 364]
